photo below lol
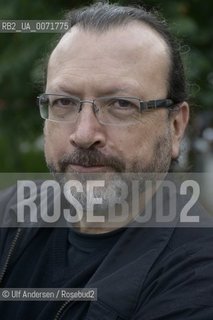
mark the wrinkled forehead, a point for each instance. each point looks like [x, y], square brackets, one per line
[130, 51]
[132, 37]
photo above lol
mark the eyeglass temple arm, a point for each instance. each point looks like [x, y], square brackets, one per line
[154, 104]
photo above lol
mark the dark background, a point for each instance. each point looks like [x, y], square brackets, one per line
[21, 55]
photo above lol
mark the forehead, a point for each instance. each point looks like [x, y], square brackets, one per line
[123, 56]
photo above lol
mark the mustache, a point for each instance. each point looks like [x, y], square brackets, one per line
[89, 158]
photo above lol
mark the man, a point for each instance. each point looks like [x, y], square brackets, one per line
[114, 103]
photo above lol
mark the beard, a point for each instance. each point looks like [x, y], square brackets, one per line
[117, 180]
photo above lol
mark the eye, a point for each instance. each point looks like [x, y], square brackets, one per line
[62, 108]
[123, 104]
[63, 102]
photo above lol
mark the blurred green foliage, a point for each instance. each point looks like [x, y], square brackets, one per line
[20, 69]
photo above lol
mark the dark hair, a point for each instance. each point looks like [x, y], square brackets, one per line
[103, 16]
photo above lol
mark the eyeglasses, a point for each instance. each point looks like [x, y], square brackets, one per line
[108, 110]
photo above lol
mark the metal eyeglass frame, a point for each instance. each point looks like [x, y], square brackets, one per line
[144, 105]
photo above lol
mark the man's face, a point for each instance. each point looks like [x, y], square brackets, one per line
[125, 61]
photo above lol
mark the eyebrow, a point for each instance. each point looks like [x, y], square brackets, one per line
[63, 89]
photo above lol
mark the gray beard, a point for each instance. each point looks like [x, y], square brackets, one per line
[118, 191]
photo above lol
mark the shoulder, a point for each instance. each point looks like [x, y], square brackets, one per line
[180, 283]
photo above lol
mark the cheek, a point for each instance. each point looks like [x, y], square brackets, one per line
[142, 148]
[137, 143]
[131, 143]
[56, 141]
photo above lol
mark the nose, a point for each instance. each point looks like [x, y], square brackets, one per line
[87, 131]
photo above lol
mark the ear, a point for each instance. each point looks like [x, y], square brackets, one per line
[178, 122]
